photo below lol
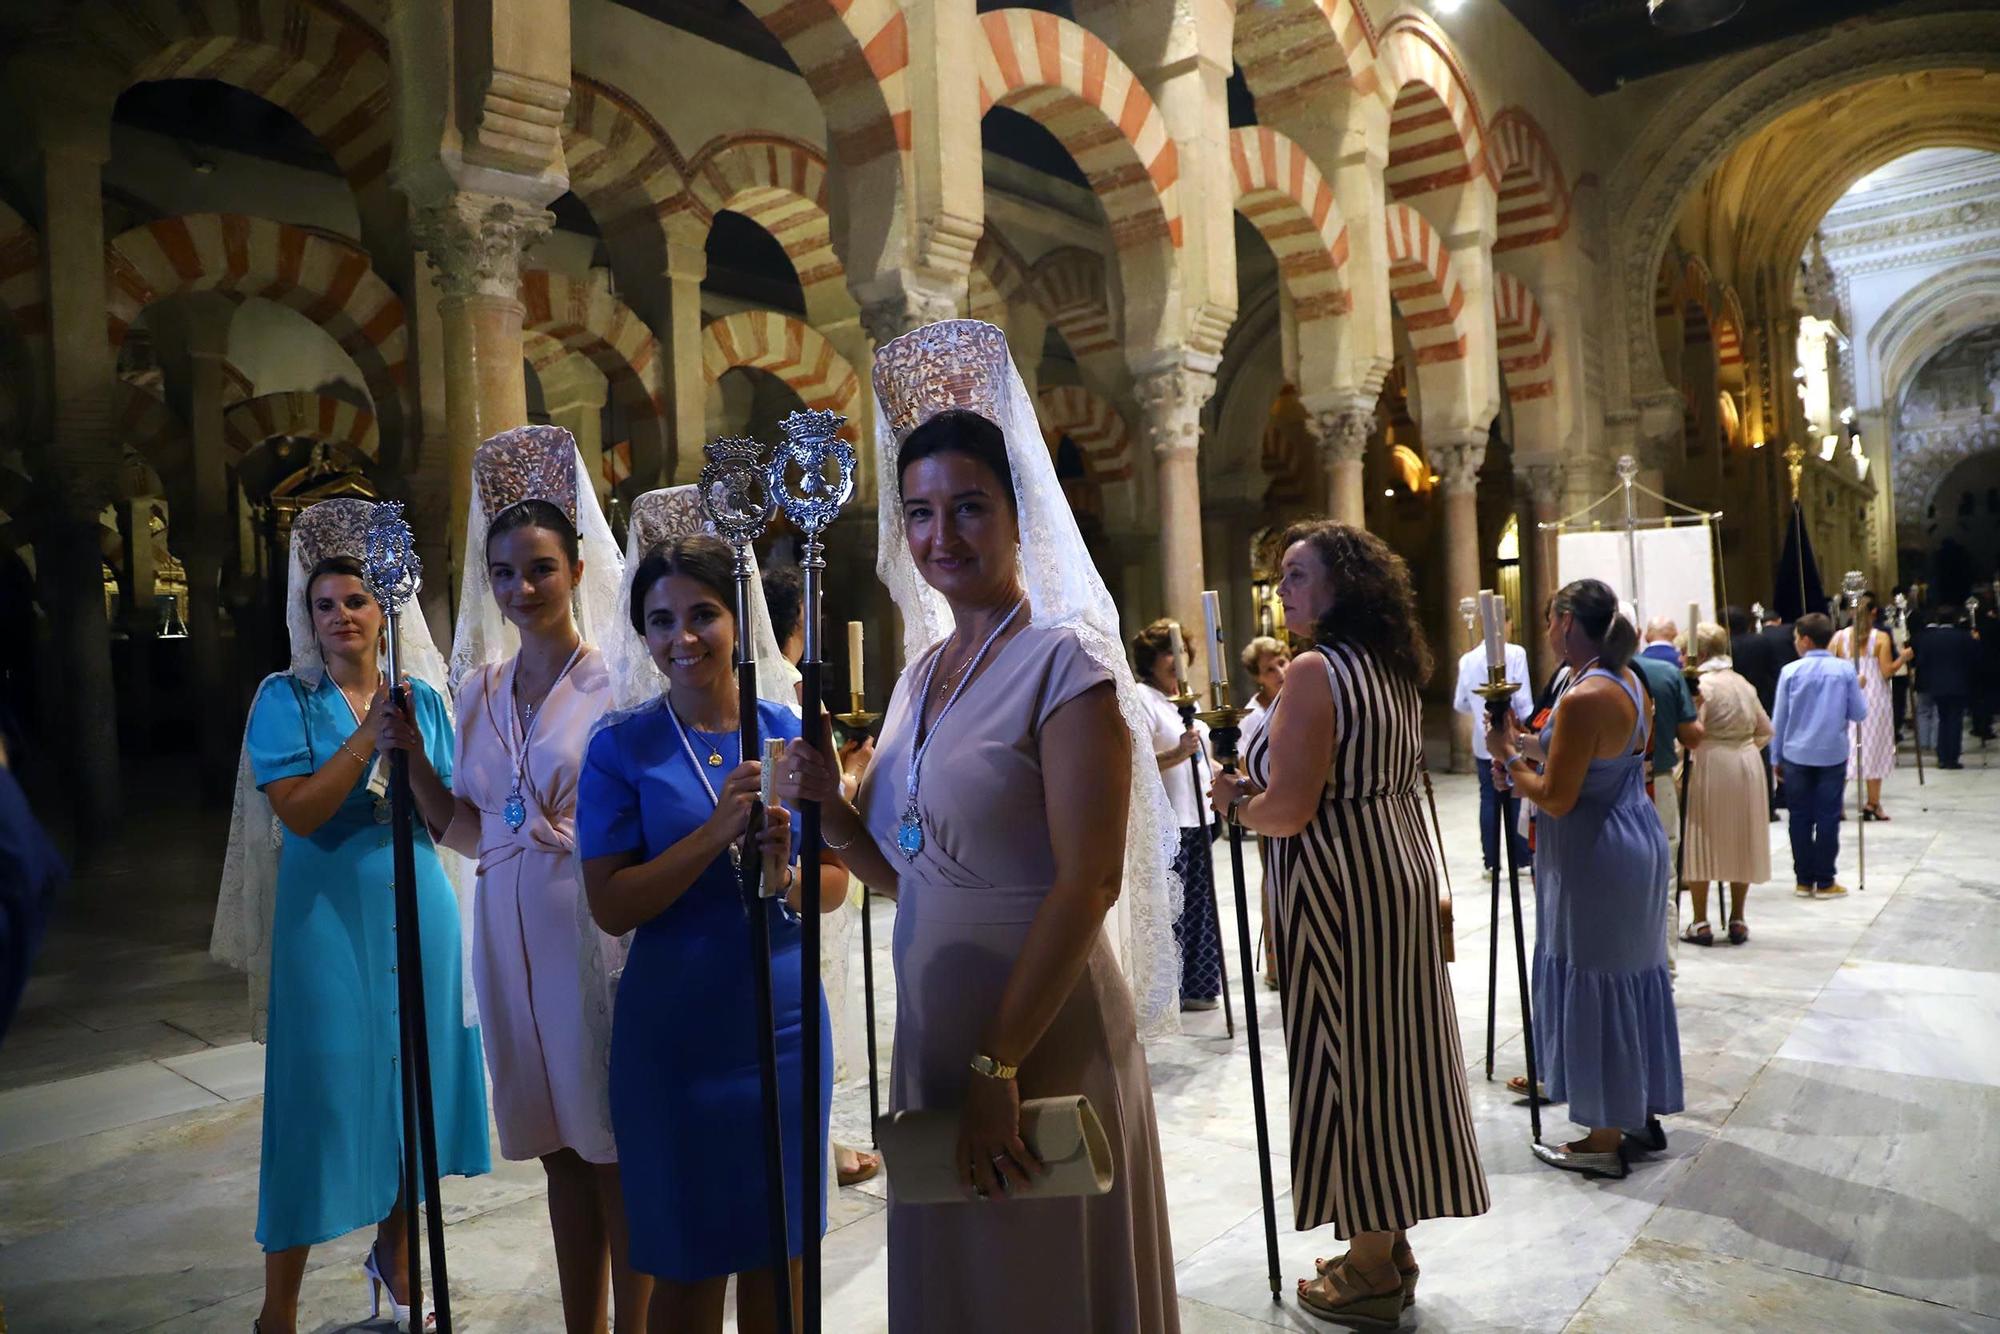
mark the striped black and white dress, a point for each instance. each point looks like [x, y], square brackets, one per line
[1382, 1133]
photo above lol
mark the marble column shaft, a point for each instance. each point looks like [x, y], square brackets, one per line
[1343, 444]
[204, 537]
[1172, 401]
[1542, 483]
[1456, 460]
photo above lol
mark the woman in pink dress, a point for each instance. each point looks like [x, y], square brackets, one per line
[524, 719]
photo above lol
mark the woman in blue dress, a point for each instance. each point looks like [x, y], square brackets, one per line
[1605, 1030]
[664, 797]
[316, 748]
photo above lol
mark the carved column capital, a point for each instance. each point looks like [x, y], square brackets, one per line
[1456, 459]
[1171, 400]
[474, 242]
[1343, 433]
[1543, 482]
[905, 301]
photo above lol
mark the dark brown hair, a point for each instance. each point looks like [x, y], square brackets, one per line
[706, 560]
[335, 565]
[1374, 606]
[958, 431]
[1816, 628]
[785, 600]
[1595, 608]
[534, 514]
[1156, 642]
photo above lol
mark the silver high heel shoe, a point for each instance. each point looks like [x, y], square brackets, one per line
[398, 1312]
[1609, 1165]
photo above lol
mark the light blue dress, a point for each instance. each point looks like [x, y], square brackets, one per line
[686, 1095]
[1605, 1031]
[333, 1099]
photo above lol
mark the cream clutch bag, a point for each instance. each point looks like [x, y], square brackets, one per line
[918, 1149]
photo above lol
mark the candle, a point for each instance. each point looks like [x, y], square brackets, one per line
[1211, 611]
[854, 660]
[1694, 624]
[1179, 649]
[1491, 617]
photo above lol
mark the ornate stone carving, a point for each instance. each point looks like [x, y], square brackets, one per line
[474, 242]
[1171, 400]
[1457, 461]
[912, 306]
[1343, 433]
[1543, 482]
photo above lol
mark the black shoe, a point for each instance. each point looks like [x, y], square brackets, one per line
[1653, 1139]
[1950, 766]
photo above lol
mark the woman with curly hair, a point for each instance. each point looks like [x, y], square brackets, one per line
[1382, 1134]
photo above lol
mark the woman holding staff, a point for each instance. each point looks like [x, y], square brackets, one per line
[307, 908]
[547, 588]
[1382, 1134]
[1015, 790]
[664, 806]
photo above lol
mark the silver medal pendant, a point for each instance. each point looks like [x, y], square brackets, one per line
[910, 833]
[515, 811]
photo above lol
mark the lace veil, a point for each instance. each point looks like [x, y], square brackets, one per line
[966, 364]
[637, 686]
[242, 933]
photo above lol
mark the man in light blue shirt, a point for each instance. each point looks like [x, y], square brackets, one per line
[1818, 696]
[1493, 811]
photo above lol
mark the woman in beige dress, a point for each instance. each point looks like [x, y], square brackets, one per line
[996, 813]
[1728, 820]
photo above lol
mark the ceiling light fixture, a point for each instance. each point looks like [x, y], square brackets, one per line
[1681, 17]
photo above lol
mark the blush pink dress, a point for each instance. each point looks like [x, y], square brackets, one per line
[548, 1094]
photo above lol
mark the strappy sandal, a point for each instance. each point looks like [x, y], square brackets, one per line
[1346, 1302]
[1738, 931]
[1874, 813]
[1402, 1256]
[1698, 933]
[1518, 1086]
[866, 1167]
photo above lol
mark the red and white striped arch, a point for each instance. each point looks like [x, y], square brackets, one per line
[1283, 195]
[1527, 348]
[1068, 80]
[1074, 294]
[302, 414]
[1729, 331]
[780, 184]
[622, 165]
[1096, 427]
[1435, 138]
[789, 349]
[315, 58]
[1427, 293]
[1293, 52]
[1000, 281]
[324, 278]
[584, 319]
[855, 56]
[1534, 197]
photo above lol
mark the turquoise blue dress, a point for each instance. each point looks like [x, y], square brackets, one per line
[686, 1102]
[333, 1100]
[1605, 1030]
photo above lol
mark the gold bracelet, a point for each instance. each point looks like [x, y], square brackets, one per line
[354, 754]
[992, 1069]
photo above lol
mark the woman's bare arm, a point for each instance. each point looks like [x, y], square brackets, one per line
[305, 803]
[1592, 718]
[1300, 751]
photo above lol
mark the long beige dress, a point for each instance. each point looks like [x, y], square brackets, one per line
[1075, 1266]
[1728, 821]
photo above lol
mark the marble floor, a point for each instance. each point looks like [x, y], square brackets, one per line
[1838, 1166]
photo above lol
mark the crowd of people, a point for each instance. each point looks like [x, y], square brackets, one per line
[1039, 805]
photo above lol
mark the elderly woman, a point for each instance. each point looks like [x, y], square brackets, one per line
[1382, 1134]
[1729, 818]
[1605, 1026]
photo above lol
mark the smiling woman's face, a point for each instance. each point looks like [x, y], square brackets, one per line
[346, 618]
[689, 632]
[961, 527]
[532, 576]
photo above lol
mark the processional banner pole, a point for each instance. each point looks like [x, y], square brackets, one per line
[392, 571]
[1851, 586]
[811, 476]
[737, 499]
[1225, 723]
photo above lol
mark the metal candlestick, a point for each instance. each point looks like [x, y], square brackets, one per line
[1225, 723]
[859, 722]
[393, 573]
[811, 476]
[1498, 692]
[737, 499]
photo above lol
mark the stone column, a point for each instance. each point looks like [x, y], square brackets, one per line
[1343, 445]
[1171, 401]
[203, 537]
[687, 386]
[78, 472]
[577, 406]
[1542, 484]
[1456, 458]
[474, 241]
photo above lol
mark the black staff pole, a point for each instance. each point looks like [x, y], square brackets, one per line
[393, 573]
[1225, 722]
[1860, 638]
[811, 476]
[857, 720]
[1498, 692]
[739, 506]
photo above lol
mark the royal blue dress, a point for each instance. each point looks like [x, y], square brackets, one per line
[333, 1094]
[686, 1104]
[1605, 1029]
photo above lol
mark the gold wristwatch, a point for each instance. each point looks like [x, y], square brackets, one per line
[992, 1069]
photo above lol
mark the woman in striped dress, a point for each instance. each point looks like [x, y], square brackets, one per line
[1874, 737]
[1382, 1133]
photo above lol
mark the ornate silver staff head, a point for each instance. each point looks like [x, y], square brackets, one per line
[390, 567]
[736, 492]
[1851, 586]
[811, 449]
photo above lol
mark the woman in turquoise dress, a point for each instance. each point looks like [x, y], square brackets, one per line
[1606, 1035]
[664, 797]
[316, 747]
